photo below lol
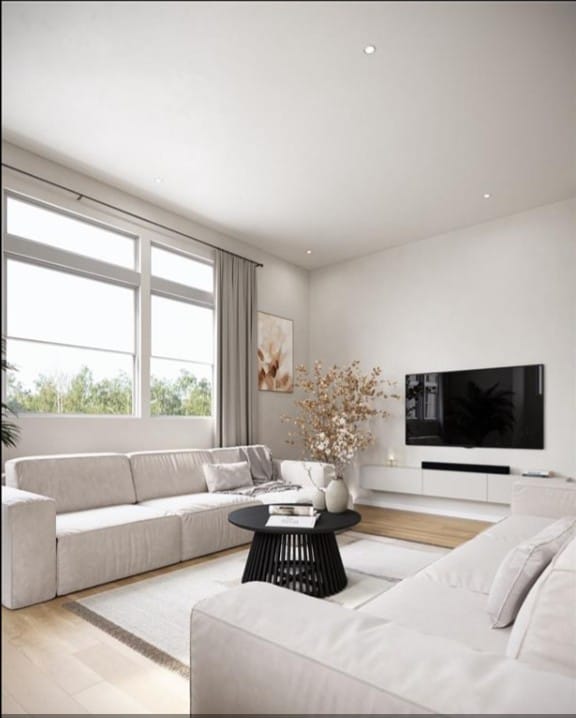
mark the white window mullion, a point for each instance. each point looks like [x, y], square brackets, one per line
[143, 324]
[53, 257]
[173, 290]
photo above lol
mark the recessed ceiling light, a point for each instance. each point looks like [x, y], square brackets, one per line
[158, 180]
[370, 49]
[308, 251]
[487, 195]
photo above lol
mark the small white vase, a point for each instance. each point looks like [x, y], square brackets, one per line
[337, 496]
[319, 499]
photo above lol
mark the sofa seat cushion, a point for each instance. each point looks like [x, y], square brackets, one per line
[75, 481]
[179, 505]
[261, 649]
[105, 544]
[440, 610]
[473, 565]
[204, 520]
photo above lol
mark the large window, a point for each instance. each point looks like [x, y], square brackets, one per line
[32, 221]
[182, 336]
[89, 333]
[70, 320]
[72, 340]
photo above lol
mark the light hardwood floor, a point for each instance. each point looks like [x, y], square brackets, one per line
[55, 662]
[444, 531]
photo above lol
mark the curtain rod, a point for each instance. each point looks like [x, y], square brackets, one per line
[82, 195]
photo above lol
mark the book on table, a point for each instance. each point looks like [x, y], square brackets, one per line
[292, 510]
[295, 521]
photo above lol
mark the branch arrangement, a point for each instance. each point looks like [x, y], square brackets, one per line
[333, 417]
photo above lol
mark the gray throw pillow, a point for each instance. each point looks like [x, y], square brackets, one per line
[522, 566]
[226, 477]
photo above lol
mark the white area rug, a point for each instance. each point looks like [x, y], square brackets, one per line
[153, 615]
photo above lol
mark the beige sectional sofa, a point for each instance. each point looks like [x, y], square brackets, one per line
[424, 646]
[74, 521]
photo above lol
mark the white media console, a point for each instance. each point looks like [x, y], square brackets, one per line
[461, 485]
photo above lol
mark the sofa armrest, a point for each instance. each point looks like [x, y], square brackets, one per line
[28, 548]
[544, 497]
[307, 474]
[261, 649]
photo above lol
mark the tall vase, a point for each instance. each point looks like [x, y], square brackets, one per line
[337, 496]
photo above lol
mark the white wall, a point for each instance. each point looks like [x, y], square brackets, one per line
[283, 289]
[496, 294]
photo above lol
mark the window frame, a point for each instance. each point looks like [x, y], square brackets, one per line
[140, 279]
[175, 291]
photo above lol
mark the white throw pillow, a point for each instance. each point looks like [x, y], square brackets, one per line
[522, 566]
[544, 633]
[225, 477]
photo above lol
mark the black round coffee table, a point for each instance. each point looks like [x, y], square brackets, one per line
[305, 560]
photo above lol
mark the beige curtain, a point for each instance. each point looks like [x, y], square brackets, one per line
[236, 370]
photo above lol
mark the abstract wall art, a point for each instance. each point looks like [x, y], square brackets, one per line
[275, 353]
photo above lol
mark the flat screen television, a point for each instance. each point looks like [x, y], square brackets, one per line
[499, 408]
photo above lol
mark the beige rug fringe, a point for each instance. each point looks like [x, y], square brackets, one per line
[129, 639]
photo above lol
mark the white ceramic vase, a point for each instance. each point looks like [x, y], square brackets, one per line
[319, 499]
[337, 496]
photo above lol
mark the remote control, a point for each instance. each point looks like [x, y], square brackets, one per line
[540, 474]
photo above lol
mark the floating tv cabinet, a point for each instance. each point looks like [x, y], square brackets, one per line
[491, 488]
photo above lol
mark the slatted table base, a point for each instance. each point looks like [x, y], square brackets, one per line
[305, 562]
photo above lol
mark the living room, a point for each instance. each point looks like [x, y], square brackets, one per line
[398, 180]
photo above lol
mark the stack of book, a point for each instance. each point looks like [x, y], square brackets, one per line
[292, 516]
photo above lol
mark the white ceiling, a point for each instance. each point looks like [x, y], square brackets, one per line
[267, 121]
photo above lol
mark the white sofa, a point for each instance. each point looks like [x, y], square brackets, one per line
[74, 521]
[425, 646]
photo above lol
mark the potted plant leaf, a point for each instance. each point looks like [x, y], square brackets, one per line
[10, 430]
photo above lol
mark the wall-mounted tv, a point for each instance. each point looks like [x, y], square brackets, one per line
[499, 408]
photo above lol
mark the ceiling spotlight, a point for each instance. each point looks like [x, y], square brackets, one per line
[370, 49]
[487, 195]
[158, 180]
[308, 251]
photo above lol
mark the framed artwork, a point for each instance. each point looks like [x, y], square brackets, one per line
[275, 353]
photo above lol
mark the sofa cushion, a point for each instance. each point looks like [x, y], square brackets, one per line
[439, 610]
[552, 497]
[105, 544]
[473, 565]
[287, 653]
[521, 567]
[168, 473]
[78, 522]
[227, 477]
[226, 454]
[204, 521]
[75, 481]
[205, 501]
[544, 633]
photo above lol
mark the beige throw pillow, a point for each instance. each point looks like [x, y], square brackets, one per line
[521, 567]
[226, 477]
[544, 633]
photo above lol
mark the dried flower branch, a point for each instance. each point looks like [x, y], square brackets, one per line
[332, 423]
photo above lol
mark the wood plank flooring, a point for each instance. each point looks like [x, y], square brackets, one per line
[447, 531]
[55, 662]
